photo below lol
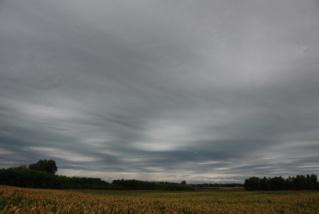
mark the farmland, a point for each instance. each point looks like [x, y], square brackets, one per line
[21, 200]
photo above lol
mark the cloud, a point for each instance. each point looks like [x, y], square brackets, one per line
[5, 151]
[61, 154]
[202, 91]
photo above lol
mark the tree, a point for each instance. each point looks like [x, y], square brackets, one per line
[47, 166]
[279, 183]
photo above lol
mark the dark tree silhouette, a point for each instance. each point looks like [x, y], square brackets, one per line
[279, 183]
[48, 166]
[42, 175]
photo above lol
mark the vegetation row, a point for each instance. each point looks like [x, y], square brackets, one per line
[42, 175]
[299, 182]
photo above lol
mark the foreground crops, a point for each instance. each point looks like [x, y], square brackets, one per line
[19, 200]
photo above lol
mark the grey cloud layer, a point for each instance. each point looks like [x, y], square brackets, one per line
[207, 91]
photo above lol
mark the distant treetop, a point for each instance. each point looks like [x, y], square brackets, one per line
[48, 166]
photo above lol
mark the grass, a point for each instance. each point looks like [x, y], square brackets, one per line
[23, 200]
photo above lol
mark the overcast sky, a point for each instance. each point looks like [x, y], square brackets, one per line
[203, 91]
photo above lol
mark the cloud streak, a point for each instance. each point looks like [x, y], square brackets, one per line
[203, 91]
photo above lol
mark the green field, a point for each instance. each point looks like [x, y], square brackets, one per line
[22, 200]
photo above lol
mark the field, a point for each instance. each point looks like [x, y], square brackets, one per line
[20, 200]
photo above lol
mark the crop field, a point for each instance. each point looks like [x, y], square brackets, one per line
[21, 200]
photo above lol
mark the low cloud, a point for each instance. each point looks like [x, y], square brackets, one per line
[199, 91]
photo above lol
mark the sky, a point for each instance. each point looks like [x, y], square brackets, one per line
[203, 91]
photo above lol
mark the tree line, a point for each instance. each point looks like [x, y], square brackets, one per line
[299, 182]
[26, 177]
[42, 175]
[150, 185]
[217, 185]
